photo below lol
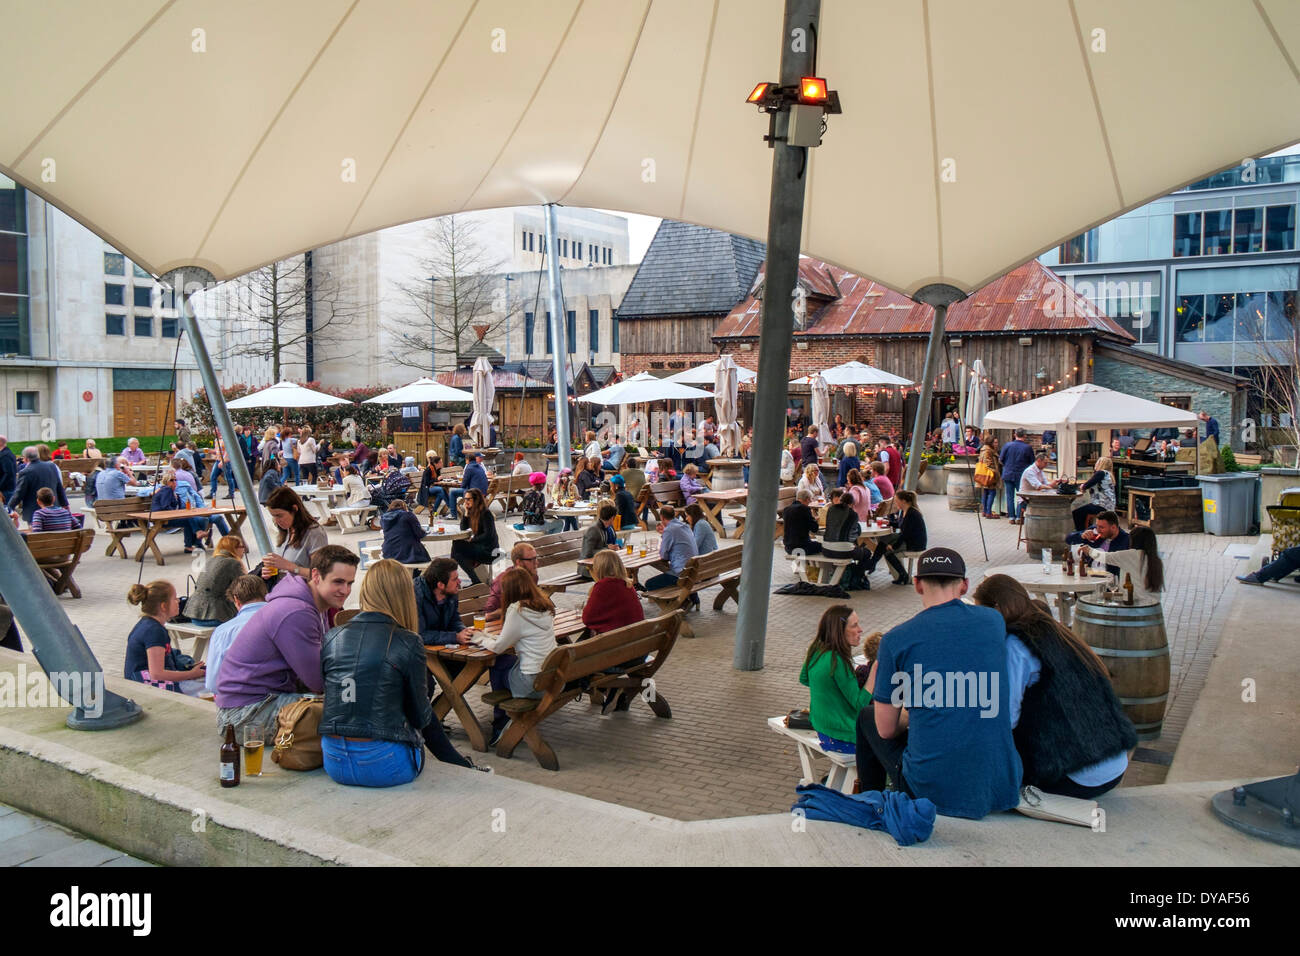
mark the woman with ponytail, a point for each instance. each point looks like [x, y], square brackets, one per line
[149, 655]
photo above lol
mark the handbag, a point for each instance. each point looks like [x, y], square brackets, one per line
[297, 735]
[799, 720]
[1057, 808]
[985, 477]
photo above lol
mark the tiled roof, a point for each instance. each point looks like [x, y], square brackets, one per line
[691, 270]
[481, 348]
[1030, 298]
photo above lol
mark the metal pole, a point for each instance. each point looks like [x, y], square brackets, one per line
[939, 296]
[509, 279]
[559, 340]
[433, 327]
[220, 413]
[784, 228]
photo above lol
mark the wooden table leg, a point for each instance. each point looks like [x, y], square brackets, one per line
[149, 543]
[714, 514]
[453, 697]
[237, 521]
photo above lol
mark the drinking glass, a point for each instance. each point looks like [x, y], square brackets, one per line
[480, 622]
[1047, 560]
[254, 741]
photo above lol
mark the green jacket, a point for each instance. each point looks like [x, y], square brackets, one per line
[836, 698]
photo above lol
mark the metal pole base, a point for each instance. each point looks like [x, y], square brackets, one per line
[1268, 809]
[118, 712]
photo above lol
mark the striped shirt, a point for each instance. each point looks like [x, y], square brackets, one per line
[52, 519]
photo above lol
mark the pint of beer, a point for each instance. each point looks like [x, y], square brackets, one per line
[480, 622]
[254, 740]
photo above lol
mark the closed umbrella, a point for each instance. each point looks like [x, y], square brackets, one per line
[480, 425]
[821, 407]
[977, 396]
[726, 382]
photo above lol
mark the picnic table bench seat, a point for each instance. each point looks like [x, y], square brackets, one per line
[509, 490]
[353, 517]
[191, 638]
[559, 548]
[844, 768]
[573, 669]
[832, 567]
[655, 494]
[784, 498]
[112, 513]
[58, 553]
[718, 568]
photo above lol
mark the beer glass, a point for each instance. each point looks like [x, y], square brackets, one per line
[1047, 560]
[254, 741]
[480, 622]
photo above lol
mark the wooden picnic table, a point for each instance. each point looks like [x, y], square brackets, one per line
[633, 562]
[155, 521]
[714, 501]
[476, 660]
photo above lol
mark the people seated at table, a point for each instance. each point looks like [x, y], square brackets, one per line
[112, 482]
[625, 503]
[354, 487]
[394, 458]
[522, 555]
[811, 482]
[191, 497]
[51, 516]
[149, 655]
[209, 605]
[279, 648]
[909, 535]
[431, 495]
[197, 531]
[1016, 457]
[877, 475]
[474, 477]
[1035, 478]
[403, 535]
[247, 594]
[1101, 488]
[527, 628]
[181, 468]
[533, 507]
[1287, 562]
[437, 604]
[612, 602]
[1140, 561]
[587, 478]
[989, 493]
[955, 749]
[836, 690]
[706, 541]
[634, 476]
[676, 546]
[600, 534]
[799, 525]
[520, 466]
[481, 546]
[35, 475]
[133, 454]
[614, 455]
[340, 470]
[691, 484]
[299, 537]
[1106, 536]
[840, 537]
[270, 480]
[591, 448]
[1070, 730]
[92, 451]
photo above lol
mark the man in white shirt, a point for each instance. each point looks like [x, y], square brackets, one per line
[1034, 479]
[592, 448]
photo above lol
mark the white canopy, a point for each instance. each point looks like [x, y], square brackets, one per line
[707, 373]
[421, 391]
[287, 395]
[1086, 408]
[290, 125]
[643, 387]
[853, 374]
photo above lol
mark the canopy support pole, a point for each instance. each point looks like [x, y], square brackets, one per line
[220, 413]
[939, 296]
[784, 232]
[559, 341]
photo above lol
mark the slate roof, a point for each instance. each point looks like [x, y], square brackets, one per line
[1030, 298]
[691, 270]
[480, 347]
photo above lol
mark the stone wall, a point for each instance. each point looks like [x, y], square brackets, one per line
[1147, 383]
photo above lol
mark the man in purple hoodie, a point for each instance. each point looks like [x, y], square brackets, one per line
[279, 647]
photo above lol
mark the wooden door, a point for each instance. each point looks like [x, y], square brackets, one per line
[137, 413]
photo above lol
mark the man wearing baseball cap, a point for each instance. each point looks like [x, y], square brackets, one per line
[939, 724]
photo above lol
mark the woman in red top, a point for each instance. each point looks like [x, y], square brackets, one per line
[612, 603]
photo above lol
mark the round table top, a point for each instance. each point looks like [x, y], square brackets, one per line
[449, 533]
[1056, 582]
[309, 490]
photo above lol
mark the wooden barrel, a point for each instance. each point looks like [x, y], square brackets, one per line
[963, 493]
[1048, 521]
[1131, 642]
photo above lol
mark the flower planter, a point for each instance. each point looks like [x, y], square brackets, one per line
[932, 481]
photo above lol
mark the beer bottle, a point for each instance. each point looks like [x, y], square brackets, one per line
[1128, 588]
[230, 759]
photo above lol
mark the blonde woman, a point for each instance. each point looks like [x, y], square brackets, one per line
[1101, 487]
[307, 447]
[91, 450]
[811, 482]
[210, 605]
[377, 717]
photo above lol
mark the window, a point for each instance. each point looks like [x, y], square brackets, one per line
[530, 323]
[27, 403]
[114, 294]
[1211, 309]
[114, 324]
[613, 325]
[593, 330]
[1190, 318]
[138, 272]
[1218, 317]
[550, 346]
[144, 326]
[170, 329]
[1218, 232]
[1248, 230]
[531, 237]
[577, 250]
[1279, 232]
[140, 296]
[609, 257]
[114, 264]
[571, 330]
[1131, 299]
[564, 248]
[1187, 234]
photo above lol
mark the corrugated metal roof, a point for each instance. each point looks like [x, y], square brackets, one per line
[1030, 298]
[501, 378]
[691, 270]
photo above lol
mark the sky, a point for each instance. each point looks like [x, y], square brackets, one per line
[640, 230]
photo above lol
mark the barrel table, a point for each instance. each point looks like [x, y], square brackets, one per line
[1130, 640]
[963, 493]
[727, 474]
[1047, 522]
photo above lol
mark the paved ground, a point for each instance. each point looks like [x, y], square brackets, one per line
[26, 840]
[715, 757]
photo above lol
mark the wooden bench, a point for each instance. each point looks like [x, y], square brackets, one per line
[831, 569]
[1244, 459]
[111, 514]
[844, 767]
[191, 639]
[559, 548]
[58, 553]
[784, 498]
[568, 667]
[656, 494]
[353, 517]
[509, 490]
[83, 466]
[718, 568]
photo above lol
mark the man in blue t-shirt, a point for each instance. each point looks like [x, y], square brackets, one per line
[940, 721]
[1016, 457]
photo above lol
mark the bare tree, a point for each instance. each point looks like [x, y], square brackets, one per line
[270, 306]
[1276, 354]
[469, 292]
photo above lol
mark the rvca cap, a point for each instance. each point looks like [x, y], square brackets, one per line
[940, 563]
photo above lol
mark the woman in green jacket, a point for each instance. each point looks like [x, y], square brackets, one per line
[835, 691]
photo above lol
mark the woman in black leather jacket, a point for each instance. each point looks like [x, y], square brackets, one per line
[377, 717]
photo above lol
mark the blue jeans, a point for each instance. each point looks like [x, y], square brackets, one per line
[190, 527]
[436, 498]
[371, 763]
[1287, 562]
[836, 746]
[987, 497]
[1012, 482]
[206, 623]
[291, 470]
[454, 499]
[229, 472]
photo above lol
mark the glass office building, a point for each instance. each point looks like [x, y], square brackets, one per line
[1208, 274]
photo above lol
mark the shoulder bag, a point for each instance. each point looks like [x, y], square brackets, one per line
[297, 734]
